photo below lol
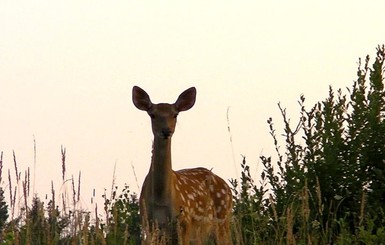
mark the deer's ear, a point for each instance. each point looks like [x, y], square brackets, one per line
[186, 100]
[141, 99]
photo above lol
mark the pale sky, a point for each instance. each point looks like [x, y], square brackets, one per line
[67, 69]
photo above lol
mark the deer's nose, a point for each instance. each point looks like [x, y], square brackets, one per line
[166, 133]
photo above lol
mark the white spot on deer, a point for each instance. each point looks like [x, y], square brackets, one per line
[197, 217]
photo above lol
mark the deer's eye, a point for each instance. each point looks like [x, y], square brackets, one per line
[151, 115]
[175, 115]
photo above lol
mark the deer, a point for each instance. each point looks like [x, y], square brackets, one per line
[185, 206]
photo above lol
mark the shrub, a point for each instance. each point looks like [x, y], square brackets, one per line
[123, 221]
[328, 184]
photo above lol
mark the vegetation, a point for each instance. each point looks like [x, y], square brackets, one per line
[326, 186]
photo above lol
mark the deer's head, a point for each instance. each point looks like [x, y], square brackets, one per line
[163, 115]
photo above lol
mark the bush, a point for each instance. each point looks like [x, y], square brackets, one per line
[123, 221]
[328, 185]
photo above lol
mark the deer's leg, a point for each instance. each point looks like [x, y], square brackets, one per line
[184, 232]
[223, 234]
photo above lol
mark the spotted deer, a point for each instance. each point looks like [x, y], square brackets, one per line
[189, 205]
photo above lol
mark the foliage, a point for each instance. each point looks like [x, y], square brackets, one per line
[328, 186]
[123, 221]
[249, 208]
[3, 210]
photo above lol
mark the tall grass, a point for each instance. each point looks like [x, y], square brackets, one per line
[257, 219]
[31, 221]
[26, 219]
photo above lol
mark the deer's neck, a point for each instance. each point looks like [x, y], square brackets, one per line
[161, 172]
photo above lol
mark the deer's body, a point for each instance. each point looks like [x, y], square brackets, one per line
[189, 205]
